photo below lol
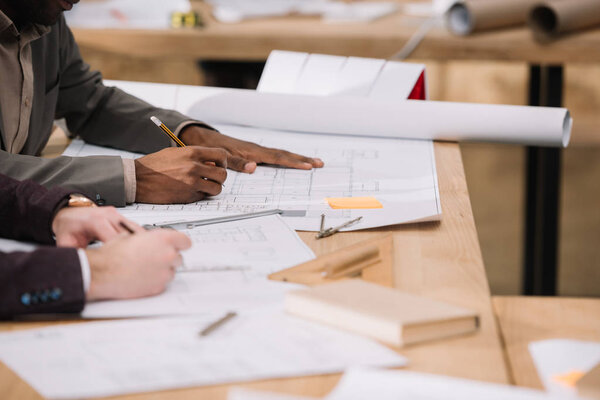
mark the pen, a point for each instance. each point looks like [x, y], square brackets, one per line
[218, 323]
[166, 130]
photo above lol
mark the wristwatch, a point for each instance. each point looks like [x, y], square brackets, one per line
[79, 200]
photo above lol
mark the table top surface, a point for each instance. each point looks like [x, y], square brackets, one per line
[440, 260]
[526, 319]
[254, 40]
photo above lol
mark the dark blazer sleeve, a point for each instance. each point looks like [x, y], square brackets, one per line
[103, 115]
[47, 280]
[27, 210]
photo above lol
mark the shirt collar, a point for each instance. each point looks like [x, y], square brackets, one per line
[5, 22]
[35, 30]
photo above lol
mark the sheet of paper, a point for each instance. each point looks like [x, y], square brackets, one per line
[556, 358]
[358, 77]
[234, 289]
[113, 358]
[158, 94]
[237, 393]
[233, 11]
[79, 148]
[257, 246]
[396, 81]
[401, 174]
[125, 14]
[281, 72]
[325, 75]
[319, 74]
[358, 11]
[360, 384]
[8, 246]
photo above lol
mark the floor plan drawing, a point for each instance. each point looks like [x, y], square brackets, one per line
[400, 173]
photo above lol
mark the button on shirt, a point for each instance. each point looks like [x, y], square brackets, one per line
[16, 81]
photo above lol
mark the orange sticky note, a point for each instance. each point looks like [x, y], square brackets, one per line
[341, 203]
[569, 379]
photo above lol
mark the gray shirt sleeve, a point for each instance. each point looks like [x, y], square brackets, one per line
[99, 178]
[103, 115]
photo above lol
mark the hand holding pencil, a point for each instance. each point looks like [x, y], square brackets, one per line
[198, 167]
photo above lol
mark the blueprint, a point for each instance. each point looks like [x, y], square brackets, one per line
[117, 357]
[257, 247]
[399, 173]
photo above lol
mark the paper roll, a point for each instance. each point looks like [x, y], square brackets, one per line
[413, 119]
[551, 18]
[469, 16]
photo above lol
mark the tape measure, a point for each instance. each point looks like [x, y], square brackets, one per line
[185, 19]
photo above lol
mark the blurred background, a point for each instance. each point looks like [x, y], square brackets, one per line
[495, 173]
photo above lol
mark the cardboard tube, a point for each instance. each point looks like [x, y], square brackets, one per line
[552, 18]
[469, 16]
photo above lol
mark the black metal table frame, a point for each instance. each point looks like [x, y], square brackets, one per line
[542, 203]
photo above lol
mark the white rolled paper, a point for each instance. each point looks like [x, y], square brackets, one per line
[412, 119]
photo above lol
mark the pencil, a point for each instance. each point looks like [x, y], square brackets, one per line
[124, 226]
[166, 130]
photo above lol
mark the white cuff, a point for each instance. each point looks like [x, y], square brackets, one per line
[130, 182]
[86, 273]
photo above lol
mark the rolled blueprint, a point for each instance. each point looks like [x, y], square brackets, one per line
[413, 119]
[469, 16]
[551, 18]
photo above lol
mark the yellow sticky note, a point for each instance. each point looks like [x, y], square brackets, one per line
[341, 203]
[569, 379]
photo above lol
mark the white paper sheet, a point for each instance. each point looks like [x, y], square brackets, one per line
[236, 289]
[237, 393]
[407, 119]
[112, 358]
[557, 357]
[396, 81]
[281, 72]
[233, 11]
[325, 75]
[8, 245]
[358, 77]
[319, 74]
[125, 14]
[361, 384]
[79, 148]
[257, 246]
[401, 174]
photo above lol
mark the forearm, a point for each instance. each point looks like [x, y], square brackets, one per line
[99, 178]
[47, 280]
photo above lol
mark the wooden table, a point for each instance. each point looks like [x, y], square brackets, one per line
[253, 40]
[526, 319]
[441, 260]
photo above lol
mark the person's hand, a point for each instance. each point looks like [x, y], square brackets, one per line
[180, 175]
[78, 226]
[244, 156]
[139, 265]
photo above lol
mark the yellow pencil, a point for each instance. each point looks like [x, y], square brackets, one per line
[166, 130]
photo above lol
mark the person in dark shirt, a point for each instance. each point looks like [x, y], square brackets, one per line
[61, 279]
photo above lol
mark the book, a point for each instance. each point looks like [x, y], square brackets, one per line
[389, 315]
